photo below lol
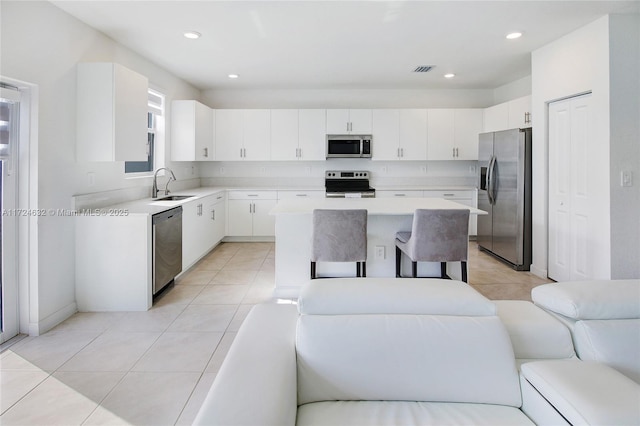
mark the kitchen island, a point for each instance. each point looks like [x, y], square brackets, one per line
[385, 218]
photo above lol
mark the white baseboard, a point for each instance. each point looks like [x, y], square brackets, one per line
[41, 327]
[540, 272]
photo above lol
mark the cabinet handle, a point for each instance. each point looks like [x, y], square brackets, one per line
[252, 195]
[453, 151]
[398, 153]
[213, 214]
[457, 153]
[448, 195]
[400, 195]
[206, 152]
[301, 195]
[402, 152]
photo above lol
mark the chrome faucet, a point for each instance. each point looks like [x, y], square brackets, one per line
[154, 189]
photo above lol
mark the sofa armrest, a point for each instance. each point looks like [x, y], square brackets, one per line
[585, 392]
[257, 383]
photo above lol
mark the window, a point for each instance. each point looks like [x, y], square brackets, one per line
[155, 126]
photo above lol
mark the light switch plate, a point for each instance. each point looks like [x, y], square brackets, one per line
[626, 178]
[380, 252]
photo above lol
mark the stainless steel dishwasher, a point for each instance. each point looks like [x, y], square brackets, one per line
[167, 247]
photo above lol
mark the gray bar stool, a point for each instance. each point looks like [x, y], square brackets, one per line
[339, 236]
[436, 236]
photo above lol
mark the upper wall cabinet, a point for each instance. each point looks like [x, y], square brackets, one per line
[242, 134]
[508, 115]
[399, 134]
[453, 133]
[298, 134]
[111, 113]
[192, 131]
[349, 121]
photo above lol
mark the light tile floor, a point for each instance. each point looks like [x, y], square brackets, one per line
[155, 367]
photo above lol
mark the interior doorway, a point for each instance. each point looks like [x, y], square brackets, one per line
[9, 140]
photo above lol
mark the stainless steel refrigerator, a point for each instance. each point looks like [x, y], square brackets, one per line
[504, 192]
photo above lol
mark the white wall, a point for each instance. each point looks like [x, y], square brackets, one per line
[42, 45]
[571, 65]
[624, 60]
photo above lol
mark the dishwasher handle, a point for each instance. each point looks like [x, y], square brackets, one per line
[166, 215]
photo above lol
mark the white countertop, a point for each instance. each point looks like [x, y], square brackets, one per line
[375, 206]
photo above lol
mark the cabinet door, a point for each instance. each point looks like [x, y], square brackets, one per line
[312, 131]
[257, 134]
[338, 121]
[219, 218]
[284, 134]
[496, 118]
[361, 121]
[264, 224]
[203, 140]
[440, 134]
[520, 113]
[240, 218]
[191, 224]
[228, 131]
[386, 134]
[467, 127]
[413, 134]
[130, 110]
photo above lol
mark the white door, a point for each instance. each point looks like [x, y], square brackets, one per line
[9, 130]
[571, 203]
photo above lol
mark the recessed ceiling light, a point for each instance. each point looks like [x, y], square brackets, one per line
[512, 36]
[192, 35]
[233, 76]
[450, 75]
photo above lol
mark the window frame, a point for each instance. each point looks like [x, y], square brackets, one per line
[155, 138]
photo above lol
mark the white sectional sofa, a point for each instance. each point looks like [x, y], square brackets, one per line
[378, 351]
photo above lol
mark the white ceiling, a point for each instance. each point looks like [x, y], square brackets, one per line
[341, 44]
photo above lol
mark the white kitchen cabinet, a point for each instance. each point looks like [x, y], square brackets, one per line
[242, 134]
[452, 134]
[312, 131]
[508, 115]
[300, 194]
[284, 134]
[298, 134]
[399, 134]
[349, 121]
[520, 113]
[387, 193]
[203, 226]
[466, 197]
[248, 213]
[192, 131]
[111, 108]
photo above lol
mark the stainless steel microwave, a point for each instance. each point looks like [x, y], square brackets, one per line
[349, 146]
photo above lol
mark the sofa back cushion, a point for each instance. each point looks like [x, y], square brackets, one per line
[612, 342]
[412, 357]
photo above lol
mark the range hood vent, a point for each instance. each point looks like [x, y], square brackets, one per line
[423, 68]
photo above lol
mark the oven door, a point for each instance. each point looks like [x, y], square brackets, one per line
[344, 147]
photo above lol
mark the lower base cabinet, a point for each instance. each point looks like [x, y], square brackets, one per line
[203, 226]
[248, 213]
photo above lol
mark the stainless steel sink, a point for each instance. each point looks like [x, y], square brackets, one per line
[174, 197]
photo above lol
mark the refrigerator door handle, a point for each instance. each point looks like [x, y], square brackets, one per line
[490, 182]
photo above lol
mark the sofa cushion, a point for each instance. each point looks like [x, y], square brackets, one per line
[613, 342]
[534, 333]
[405, 357]
[603, 299]
[378, 413]
[586, 392]
[392, 296]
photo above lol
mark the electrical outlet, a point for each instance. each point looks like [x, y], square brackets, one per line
[384, 169]
[472, 170]
[308, 170]
[221, 170]
[91, 179]
[423, 170]
[626, 178]
[380, 252]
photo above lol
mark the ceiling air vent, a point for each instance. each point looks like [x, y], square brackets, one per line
[423, 68]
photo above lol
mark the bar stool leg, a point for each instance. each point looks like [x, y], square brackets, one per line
[313, 270]
[463, 264]
[398, 261]
[443, 270]
[364, 269]
[414, 269]
[358, 269]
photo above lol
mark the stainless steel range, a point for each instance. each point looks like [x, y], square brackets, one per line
[348, 183]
